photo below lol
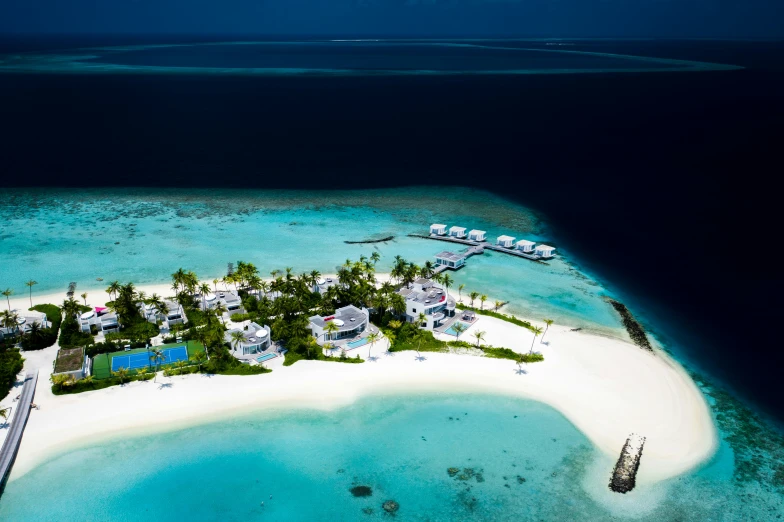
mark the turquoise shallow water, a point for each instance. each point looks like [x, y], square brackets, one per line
[143, 236]
[211, 472]
[399, 446]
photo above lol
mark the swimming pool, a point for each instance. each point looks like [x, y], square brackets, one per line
[357, 343]
[266, 357]
[451, 330]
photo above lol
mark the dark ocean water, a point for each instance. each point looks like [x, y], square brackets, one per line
[663, 184]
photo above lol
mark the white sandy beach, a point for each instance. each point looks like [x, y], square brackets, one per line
[607, 388]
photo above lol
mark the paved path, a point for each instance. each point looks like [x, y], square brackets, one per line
[14, 438]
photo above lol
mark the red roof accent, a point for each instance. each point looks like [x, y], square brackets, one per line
[331, 317]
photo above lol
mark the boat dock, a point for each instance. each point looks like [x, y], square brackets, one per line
[14, 438]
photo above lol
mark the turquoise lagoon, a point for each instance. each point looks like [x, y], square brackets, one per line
[400, 446]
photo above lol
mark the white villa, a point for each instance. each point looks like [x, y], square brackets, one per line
[175, 314]
[102, 321]
[24, 320]
[349, 320]
[450, 259]
[229, 299]
[423, 296]
[477, 235]
[438, 229]
[458, 232]
[256, 339]
[525, 246]
[324, 283]
[544, 251]
[506, 241]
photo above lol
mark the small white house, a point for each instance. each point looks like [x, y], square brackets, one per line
[525, 246]
[506, 241]
[103, 322]
[544, 251]
[423, 296]
[477, 235]
[438, 229]
[349, 322]
[458, 232]
[450, 259]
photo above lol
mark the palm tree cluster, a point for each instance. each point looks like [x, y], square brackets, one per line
[404, 272]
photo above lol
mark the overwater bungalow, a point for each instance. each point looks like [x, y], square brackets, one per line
[457, 232]
[438, 229]
[506, 241]
[525, 246]
[349, 323]
[423, 296]
[450, 259]
[477, 235]
[544, 251]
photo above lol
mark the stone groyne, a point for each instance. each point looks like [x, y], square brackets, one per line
[624, 476]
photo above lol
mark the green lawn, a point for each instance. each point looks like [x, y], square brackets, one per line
[102, 362]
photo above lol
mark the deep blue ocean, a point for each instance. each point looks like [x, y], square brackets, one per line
[660, 184]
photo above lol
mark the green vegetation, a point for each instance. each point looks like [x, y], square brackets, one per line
[71, 334]
[140, 332]
[38, 338]
[11, 364]
[504, 317]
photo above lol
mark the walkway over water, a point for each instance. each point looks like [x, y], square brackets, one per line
[14, 438]
[478, 247]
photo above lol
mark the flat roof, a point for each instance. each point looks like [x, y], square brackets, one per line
[505, 238]
[526, 242]
[350, 315]
[450, 256]
[475, 231]
[545, 247]
[456, 228]
[251, 333]
[439, 225]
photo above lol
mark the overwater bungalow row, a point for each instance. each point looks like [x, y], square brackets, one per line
[479, 238]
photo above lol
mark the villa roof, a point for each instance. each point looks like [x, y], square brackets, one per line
[505, 238]
[439, 225]
[477, 231]
[456, 228]
[251, 334]
[350, 315]
[450, 256]
[545, 247]
[422, 281]
[526, 242]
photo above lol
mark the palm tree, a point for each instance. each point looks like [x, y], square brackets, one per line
[58, 380]
[372, 340]
[548, 322]
[215, 284]
[537, 331]
[458, 328]
[375, 256]
[199, 358]
[122, 374]
[479, 336]
[219, 309]
[9, 319]
[498, 304]
[460, 292]
[473, 295]
[4, 413]
[419, 337]
[447, 281]
[157, 356]
[8, 293]
[237, 339]
[84, 296]
[30, 284]
[88, 379]
[141, 372]
[483, 298]
[329, 329]
[394, 324]
[204, 289]
[181, 366]
[114, 287]
[421, 318]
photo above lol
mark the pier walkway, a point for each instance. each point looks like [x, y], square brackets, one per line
[14, 438]
[478, 247]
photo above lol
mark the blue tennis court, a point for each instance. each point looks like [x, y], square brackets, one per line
[142, 359]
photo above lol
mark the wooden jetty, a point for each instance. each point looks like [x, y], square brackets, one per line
[18, 423]
[478, 247]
